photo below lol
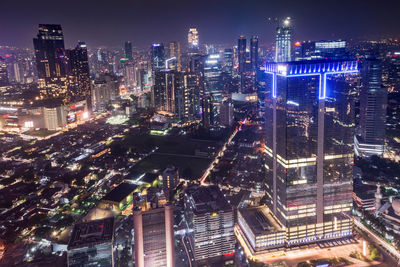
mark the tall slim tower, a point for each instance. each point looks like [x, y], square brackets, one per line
[373, 101]
[158, 57]
[175, 52]
[128, 50]
[254, 53]
[283, 42]
[3, 72]
[309, 147]
[50, 61]
[242, 53]
[79, 73]
[193, 38]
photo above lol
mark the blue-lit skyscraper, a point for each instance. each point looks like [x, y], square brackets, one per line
[309, 147]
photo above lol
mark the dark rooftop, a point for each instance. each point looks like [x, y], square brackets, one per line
[98, 231]
[260, 220]
[120, 192]
[208, 199]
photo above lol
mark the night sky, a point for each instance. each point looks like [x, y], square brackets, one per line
[112, 22]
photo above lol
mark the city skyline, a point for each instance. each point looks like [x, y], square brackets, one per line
[146, 22]
[225, 133]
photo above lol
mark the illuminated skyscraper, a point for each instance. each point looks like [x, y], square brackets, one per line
[175, 52]
[373, 101]
[327, 50]
[79, 73]
[158, 57]
[193, 38]
[242, 54]
[212, 74]
[192, 103]
[170, 180]
[154, 237]
[168, 93]
[210, 217]
[50, 61]
[128, 50]
[309, 147]
[228, 60]
[254, 53]
[283, 42]
[3, 72]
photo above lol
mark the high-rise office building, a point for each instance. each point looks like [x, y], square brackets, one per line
[373, 100]
[321, 50]
[168, 93]
[309, 147]
[105, 89]
[157, 90]
[193, 38]
[283, 44]
[170, 180]
[79, 73]
[3, 72]
[226, 113]
[192, 103]
[212, 75]
[128, 50]
[242, 53]
[158, 57]
[228, 60]
[175, 52]
[154, 237]
[254, 53]
[206, 111]
[393, 65]
[211, 218]
[50, 61]
[330, 50]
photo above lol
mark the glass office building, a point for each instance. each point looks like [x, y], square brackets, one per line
[309, 147]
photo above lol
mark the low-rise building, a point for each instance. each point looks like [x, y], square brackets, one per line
[91, 244]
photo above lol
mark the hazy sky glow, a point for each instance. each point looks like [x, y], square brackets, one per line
[111, 22]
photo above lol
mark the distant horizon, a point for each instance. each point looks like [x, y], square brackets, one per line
[184, 43]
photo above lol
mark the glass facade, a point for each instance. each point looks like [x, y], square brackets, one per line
[283, 44]
[309, 147]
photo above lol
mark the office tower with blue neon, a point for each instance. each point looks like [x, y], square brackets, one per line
[370, 139]
[309, 149]
[283, 42]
